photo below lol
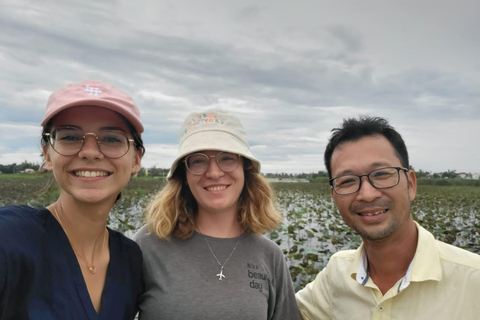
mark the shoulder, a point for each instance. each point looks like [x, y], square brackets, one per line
[14, 217]
[341, 264]
[152, 245]
[451, 254]
[141, 234]
[18, 212]
[144, 238]
[344, 255]
[263, 243]
[126, 245]
[260, 248]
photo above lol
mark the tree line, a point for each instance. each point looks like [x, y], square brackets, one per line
[15, 168]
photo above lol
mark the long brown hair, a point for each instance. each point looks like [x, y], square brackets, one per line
[172, 211]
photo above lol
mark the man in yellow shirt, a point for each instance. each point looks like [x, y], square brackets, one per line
[399, 271]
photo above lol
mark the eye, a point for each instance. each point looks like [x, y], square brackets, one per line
[67, 135]
[383, 174]
[196, 160]
[346, 181]
[225, 157]
[111, 137]
[69, 138]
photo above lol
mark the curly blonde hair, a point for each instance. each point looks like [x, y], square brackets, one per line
[172, 211]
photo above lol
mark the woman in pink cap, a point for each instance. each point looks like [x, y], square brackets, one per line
[204, 253]
[62, 262]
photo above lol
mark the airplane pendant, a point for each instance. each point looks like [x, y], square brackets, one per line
[220, 275]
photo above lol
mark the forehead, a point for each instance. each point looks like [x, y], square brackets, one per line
[89, 118]
[209, 152]
[363, 155]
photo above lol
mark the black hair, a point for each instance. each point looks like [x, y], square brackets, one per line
[353, 129]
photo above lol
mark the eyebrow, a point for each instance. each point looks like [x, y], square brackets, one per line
[111, 128]
[373, 166]
[107, 128]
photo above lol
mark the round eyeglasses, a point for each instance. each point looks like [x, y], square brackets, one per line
[381, 178]
[68, 141]
[198, 163]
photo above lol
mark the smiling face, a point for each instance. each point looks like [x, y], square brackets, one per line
[375, 214]
[89, 176]
[217, 191]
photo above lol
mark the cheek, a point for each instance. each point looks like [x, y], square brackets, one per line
[342, 202]
[190, 179]
[56, 162]
[241, 178]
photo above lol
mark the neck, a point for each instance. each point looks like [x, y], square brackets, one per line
[218, 225]
[389, 259]
[84, 223]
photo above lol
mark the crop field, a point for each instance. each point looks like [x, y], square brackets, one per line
[312, 230]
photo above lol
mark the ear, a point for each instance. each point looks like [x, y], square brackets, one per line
[48, 160]
[412, 184]
[137, 162]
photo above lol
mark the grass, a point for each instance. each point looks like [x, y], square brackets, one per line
[313, 229]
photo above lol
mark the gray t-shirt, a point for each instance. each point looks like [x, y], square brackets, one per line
[181, 279]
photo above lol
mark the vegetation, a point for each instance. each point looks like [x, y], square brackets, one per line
[313, 229]
[448, 182]
[17, 168]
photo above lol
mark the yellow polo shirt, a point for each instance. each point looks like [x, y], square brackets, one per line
[442, 282]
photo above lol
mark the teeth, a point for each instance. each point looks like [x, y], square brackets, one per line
[373, 213]
[90, 174]
[216, 188]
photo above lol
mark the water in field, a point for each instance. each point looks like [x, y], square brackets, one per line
[312, 230]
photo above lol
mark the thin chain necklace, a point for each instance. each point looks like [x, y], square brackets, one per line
[92, 269]
[220, 275]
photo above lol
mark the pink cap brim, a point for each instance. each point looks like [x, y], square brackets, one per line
[97, 103]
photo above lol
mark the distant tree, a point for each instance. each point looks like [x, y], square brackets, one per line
[157, 172]
[422, 174]
[450, 174]
[27, 165]
[142, 172]
[16, 168]
[8, 168]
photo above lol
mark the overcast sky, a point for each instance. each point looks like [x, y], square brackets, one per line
[291, 70]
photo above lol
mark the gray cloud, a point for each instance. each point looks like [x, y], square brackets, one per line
[290, 72]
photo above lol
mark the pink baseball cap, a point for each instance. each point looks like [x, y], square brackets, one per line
[93, 93]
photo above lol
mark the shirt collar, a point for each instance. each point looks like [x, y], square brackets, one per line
[427, 264]
[424, 266]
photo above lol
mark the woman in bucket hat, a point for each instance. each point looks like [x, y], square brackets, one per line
[204, 256]
[62, 262]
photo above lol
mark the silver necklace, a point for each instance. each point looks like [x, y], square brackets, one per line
[219, 275]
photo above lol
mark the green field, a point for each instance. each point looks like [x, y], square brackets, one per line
[313, 229]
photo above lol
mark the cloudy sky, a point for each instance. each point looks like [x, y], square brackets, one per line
[291, 70]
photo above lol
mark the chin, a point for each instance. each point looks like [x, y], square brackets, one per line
[94, 197]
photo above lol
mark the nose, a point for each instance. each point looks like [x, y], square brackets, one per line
[213, 171]
[367, 191]
[90, 148]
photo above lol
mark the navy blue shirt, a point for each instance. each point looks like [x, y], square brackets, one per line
[40, 277]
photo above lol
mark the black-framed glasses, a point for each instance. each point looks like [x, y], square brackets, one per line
[198, 163]
[381, 178]
[68, 141]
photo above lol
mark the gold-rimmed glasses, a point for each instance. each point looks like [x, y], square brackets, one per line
[68, 141]
[198, 163]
